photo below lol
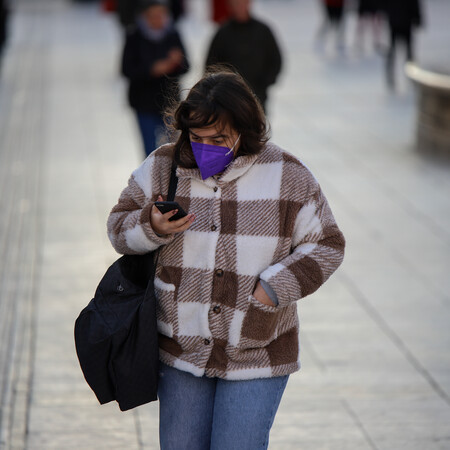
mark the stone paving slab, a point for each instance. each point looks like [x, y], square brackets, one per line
[375, 365]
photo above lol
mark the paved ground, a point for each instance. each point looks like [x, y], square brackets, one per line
[375, 339]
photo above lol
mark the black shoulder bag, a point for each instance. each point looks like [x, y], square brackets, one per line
[116, 335]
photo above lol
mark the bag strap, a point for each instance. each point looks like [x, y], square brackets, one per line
[173, 182]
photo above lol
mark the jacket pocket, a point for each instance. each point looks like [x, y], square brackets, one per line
[165, 307]
[260, 325]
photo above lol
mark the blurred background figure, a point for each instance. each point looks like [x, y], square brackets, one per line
[333, 12]
[153, 60]
[4, 11]
[369, 16]
[403, 16]
[249, 46]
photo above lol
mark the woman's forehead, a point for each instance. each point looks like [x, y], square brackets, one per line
[213, 130]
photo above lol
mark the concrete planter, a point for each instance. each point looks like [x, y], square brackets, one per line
[433, 118]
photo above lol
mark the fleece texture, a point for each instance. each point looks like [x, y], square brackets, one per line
[264, 218]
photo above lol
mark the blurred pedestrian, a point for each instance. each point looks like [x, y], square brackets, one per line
[333, 14]
[153, 60]
[258, 237]
[369, 16]
[249, 46]
[404, 16]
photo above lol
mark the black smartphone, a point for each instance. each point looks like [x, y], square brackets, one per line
[165, 207]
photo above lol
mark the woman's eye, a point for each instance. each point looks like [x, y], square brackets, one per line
[195, 138]
[218, 141]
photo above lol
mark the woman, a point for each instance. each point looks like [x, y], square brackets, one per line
[258, 237]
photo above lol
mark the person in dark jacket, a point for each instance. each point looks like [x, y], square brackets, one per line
[153, 60]
[249, 46]
[403, 17]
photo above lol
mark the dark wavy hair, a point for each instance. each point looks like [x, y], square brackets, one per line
[221, 97]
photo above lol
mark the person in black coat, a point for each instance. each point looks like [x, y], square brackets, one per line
[403, 17]
[153, 60]
[248, 46]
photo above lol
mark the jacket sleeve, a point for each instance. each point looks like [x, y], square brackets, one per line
[129, 228]
[318, 250]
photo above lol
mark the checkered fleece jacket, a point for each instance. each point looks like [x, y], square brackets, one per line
[264, 218]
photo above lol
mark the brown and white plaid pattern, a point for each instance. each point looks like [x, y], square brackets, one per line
[264, 218]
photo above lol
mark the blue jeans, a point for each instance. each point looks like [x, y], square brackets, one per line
[200, 413]
[152, 127]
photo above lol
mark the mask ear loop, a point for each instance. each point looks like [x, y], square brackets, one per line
[234, 145]
[231, 149]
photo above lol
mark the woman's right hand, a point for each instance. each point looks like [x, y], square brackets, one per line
[161, 224]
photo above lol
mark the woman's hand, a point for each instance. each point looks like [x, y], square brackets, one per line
[261, 295]
[161, 224]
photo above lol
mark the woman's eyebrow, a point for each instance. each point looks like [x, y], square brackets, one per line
[211, 137]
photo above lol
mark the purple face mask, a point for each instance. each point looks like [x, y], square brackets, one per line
[212, 159]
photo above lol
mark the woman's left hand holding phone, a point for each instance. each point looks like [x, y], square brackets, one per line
[161, 224]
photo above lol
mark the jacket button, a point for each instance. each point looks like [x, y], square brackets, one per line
[213, 228]
[217, 309]
[216, 188]
[219, 272]
[207, 341]
[120, 288]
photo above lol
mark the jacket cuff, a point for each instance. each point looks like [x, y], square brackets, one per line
[149, 231]
[283, 282]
